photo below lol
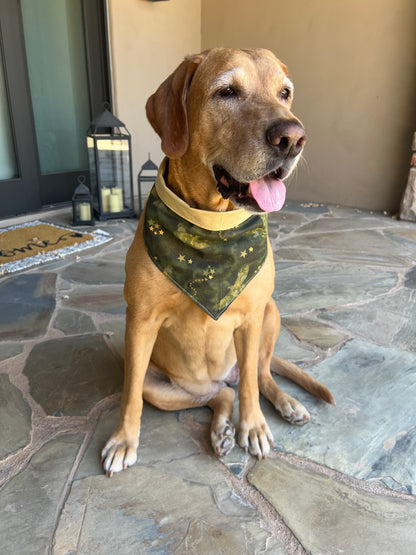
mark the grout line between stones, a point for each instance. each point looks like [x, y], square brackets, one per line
[91, 421]
[66, 490]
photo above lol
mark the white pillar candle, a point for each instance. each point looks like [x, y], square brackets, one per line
[116, 199]
[115, 202]
[105, 199]
[84, 211]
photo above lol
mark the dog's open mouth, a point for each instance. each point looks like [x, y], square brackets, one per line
[266, 194]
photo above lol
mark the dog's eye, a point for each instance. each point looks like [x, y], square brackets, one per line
[227, 92]
[285, 93]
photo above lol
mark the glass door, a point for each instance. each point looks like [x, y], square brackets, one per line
[55, 52]
[53, 80]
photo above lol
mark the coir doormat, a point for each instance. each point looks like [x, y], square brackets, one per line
[38, 242]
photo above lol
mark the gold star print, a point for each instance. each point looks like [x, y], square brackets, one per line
[243, 254]
[190, 261]
[161, 232]
[209, 272]
[181, 258]
[210, 276]
[251, 249]
[151, 228]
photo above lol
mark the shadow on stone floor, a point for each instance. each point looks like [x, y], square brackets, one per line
[346, 289]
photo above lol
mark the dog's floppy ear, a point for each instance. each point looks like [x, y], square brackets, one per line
[286, 72]
[166, 108]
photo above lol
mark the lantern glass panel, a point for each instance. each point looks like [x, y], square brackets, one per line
[110, 167]
[114, 167]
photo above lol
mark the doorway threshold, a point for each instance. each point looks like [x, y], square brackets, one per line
[64, 209]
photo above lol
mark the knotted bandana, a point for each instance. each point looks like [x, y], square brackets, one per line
[211, 266]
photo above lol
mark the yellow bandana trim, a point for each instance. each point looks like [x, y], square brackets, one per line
[213, 221]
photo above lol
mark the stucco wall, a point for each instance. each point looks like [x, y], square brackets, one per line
[147, 40]
[353, 64]
[354, 68]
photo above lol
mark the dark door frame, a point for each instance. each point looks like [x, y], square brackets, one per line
[32, 190]
[19, 194]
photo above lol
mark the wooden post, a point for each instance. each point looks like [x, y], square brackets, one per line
[408, 204]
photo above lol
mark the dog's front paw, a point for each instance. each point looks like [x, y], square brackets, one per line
[292, 411]
[256, 439]
[118, 454]
[222, 438]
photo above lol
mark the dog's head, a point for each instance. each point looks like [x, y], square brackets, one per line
[229, 110]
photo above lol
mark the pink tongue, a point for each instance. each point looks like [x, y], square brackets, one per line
[270, 194]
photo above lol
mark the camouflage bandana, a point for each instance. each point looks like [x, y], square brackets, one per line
[211, 267]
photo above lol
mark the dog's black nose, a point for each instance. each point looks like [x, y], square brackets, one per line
[287, 137]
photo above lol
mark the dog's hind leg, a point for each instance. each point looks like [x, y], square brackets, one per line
[290, 409]
[162, 393]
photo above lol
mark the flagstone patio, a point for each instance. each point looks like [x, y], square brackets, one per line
[344, 483]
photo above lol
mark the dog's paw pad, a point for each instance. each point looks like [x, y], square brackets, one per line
[118, 455]
[294, 412]
[298, 418]
[223, 438]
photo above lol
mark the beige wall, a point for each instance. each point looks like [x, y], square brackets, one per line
[354, 67]
[148, 40]
[353, 63]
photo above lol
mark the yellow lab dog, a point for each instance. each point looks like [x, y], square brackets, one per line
[200, 271]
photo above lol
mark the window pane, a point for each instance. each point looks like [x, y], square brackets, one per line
[58, 81]
[8, 166]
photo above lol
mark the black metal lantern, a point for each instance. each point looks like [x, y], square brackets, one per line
[82, 210]
[109, 156]
[147, 174]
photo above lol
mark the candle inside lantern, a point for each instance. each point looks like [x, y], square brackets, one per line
[116, 199]
[105, 199]
[85, 212]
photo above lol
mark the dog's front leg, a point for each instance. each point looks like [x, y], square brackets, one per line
[254, 433]
[120, 451]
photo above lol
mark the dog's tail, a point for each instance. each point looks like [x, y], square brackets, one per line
[306, 381]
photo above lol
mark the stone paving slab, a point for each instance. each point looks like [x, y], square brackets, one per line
[98, 272]
[72, 322]
[115, 331]
[15, 418]
[340, 224]
[105, 298]
[151, 511]
[286, 347]
[28, 301]
[331, 517]
[389, 320]
[29, 502]
[175, 500]
[315, 332]
[10, 350]
[69, 376]
[355, 246]
[371, 432]
[325, 286]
